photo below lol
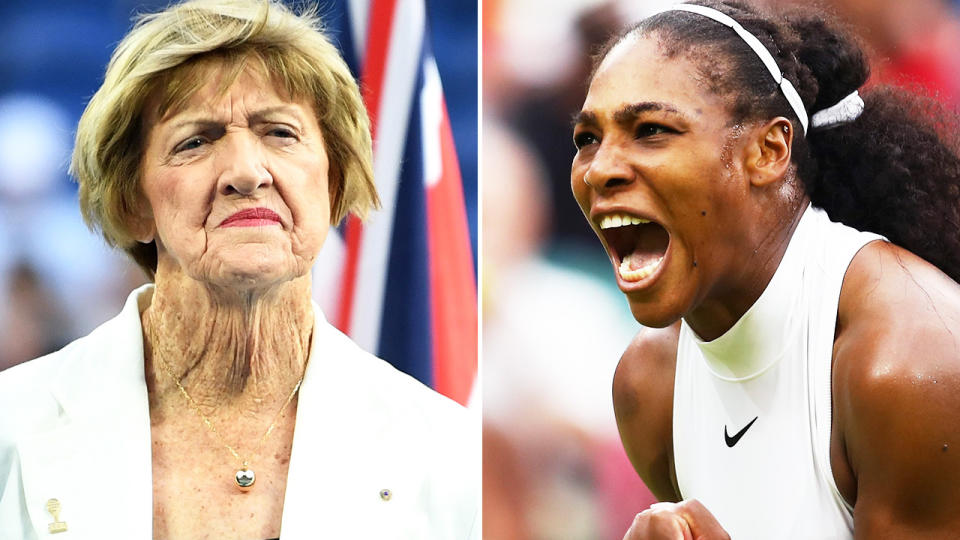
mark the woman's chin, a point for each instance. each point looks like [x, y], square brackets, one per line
[653, 314]
[248, 276]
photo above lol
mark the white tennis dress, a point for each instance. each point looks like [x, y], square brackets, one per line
[751, 409]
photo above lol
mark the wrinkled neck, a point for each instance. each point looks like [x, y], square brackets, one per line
[227, 348]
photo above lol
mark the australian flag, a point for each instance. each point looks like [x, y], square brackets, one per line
[403, 284]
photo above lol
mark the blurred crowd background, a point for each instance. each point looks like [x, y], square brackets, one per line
[58, 280]
[554, 324]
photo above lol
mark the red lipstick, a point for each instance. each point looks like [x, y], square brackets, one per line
[252, 217]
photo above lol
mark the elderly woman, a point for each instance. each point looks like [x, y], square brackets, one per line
[800, 378]
[226, 139]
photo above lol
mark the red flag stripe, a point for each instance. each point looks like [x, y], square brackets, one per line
[371, 87]
[375, 60]
[454, 298]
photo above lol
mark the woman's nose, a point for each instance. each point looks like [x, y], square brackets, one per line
[243, 166]
[610, 167]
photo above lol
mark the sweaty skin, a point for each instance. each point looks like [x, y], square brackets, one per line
[655, 145]
[896, 374]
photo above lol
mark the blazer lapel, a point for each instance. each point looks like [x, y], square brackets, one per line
[96, 457]
[345, 480]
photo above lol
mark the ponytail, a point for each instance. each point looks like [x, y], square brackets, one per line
[892, 173]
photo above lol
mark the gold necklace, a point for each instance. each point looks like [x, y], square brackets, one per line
[245, 477]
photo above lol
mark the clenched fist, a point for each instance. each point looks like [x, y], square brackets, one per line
[686, 520]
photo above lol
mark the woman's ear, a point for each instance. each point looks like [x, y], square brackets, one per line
[141, 224]
[769, 158]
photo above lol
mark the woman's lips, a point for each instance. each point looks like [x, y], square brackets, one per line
[252, 217]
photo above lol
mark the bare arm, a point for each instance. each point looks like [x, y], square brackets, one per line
[897, 395]
[643, 405]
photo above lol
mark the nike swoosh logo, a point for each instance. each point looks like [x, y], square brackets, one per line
[731, 441]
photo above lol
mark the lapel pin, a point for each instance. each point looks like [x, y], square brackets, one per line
[385, 494]
[53, 506]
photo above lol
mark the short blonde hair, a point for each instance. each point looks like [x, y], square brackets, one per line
[162, 58]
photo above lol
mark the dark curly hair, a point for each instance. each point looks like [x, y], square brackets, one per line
[894, 171]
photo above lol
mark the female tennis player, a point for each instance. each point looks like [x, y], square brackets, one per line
[791, 241]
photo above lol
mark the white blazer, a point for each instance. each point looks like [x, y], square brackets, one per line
[75, 426]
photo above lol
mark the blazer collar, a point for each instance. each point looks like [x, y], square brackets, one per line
[96, 459]
[341, 459]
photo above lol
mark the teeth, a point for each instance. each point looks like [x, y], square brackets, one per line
[640, 273]
[610, 221]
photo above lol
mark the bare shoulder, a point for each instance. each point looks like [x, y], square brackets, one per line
[896, 384]
[897, 314]
[643, 405]
[649, 361]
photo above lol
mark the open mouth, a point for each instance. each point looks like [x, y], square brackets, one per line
[639, 245]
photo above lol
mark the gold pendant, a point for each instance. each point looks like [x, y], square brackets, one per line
[245, 479]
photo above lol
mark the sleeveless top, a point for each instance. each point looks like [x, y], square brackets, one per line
[752, 408]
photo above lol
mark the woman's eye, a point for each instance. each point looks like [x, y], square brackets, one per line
[284, 133]
[583, 139]
[649, 130]
[190, 144]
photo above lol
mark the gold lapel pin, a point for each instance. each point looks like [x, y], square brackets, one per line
[53, 506]
[385, 494]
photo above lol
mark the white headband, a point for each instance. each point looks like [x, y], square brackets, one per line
[846, 110]
[786, 86]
